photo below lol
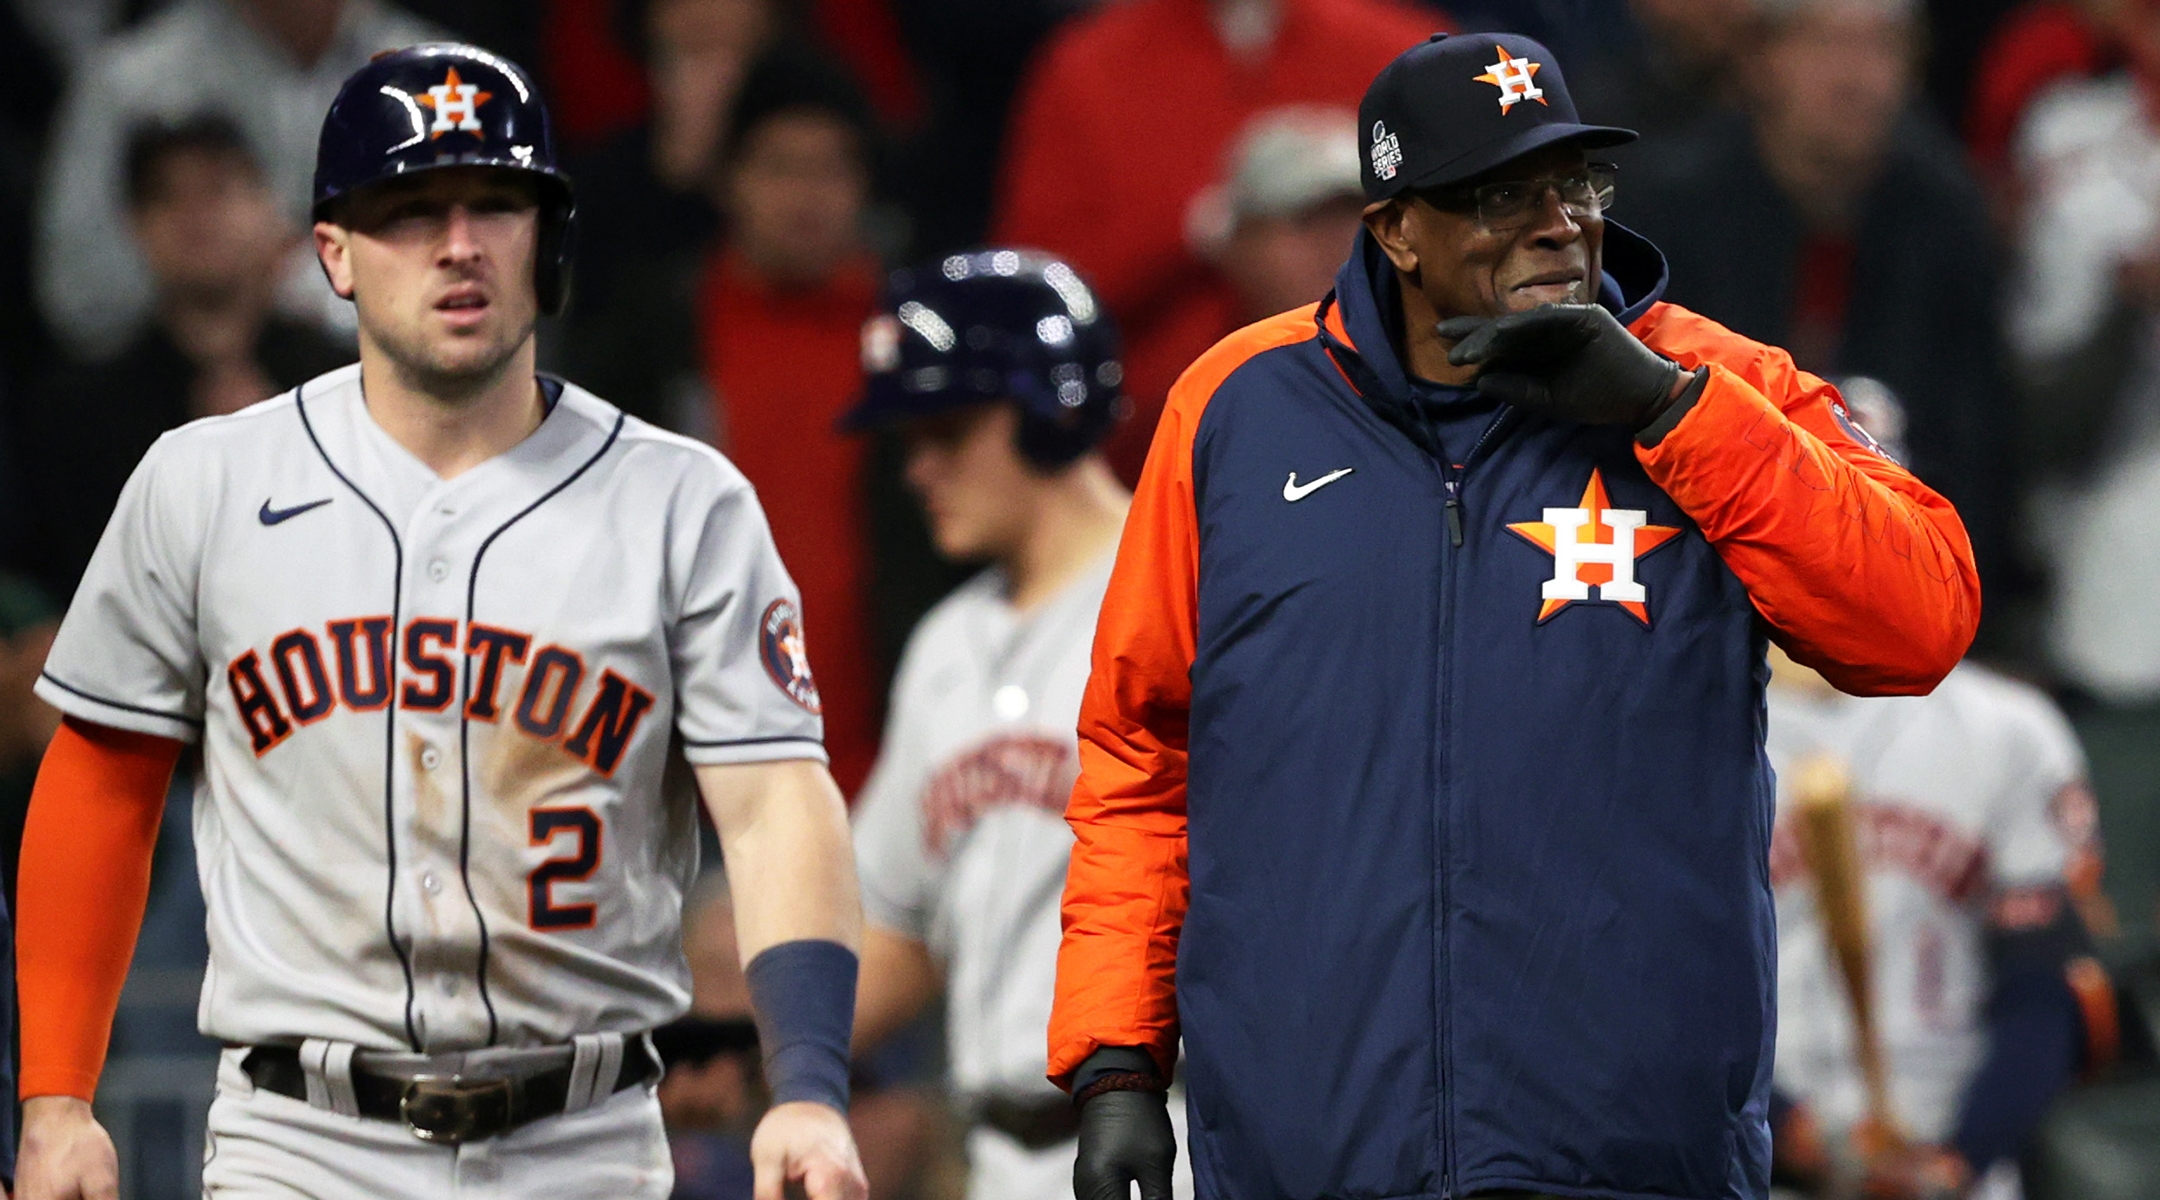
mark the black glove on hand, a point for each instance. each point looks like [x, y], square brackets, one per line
[1570, 362]
[1125, 1138]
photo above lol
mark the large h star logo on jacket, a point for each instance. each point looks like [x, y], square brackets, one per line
[1595, 546]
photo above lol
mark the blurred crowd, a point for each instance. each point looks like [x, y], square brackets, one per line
[1957, 202]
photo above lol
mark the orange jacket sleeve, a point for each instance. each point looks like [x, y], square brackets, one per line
[1861, 571]
[1126, 890]
[84, 879]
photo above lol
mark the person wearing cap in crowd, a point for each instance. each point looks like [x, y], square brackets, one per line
[1423, 790]
[1078, 180]
[1279, 225]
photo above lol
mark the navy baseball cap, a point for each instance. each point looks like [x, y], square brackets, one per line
[1452, 108]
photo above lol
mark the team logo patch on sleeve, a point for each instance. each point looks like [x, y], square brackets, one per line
[1854, 430]
[780, 644]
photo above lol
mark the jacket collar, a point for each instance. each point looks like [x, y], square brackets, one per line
[1364, 310]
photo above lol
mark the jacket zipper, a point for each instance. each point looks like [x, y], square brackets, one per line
[1441, 841]
[1453, 479]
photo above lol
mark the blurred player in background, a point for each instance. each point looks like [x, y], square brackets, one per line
[1981, 863]
[1001, 373]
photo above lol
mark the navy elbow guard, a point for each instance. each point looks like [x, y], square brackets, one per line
[804, 993]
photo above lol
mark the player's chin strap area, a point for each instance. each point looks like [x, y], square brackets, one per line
[450, 1099]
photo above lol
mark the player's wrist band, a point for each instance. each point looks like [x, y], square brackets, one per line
[804, 993]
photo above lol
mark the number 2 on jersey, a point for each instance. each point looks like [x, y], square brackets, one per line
[574, 867]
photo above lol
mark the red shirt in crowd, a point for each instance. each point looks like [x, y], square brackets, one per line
[2037, 44]
[783, 366]
[596, 89]
[1125, 116]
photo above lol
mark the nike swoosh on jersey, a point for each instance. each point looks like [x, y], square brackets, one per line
[1292, 492]
[272, 516]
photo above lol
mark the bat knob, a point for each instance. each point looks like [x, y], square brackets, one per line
[1819, 780]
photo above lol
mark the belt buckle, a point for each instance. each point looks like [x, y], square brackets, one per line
[450, 1110]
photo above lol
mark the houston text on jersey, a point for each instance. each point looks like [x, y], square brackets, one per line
[290, 685]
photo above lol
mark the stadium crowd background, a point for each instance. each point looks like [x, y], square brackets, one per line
[1956, 201]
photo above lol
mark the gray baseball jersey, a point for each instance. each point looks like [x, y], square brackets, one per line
[960, 834]
[434, 713]
[1969, 804]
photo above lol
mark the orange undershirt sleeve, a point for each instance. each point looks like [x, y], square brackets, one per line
[2095, 994]
[84, 880]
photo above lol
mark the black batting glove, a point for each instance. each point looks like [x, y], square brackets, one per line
[1573, 362]
[1125, 1138]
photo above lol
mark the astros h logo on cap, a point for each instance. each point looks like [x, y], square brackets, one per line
[1431, 117]
[1513, 76]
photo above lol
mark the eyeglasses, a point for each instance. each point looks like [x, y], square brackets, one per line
[1510, 204]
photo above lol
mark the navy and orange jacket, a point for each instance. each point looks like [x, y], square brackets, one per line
[1450, 883]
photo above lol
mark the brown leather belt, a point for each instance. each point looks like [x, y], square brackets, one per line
[447, 1109]
[1035, 1124]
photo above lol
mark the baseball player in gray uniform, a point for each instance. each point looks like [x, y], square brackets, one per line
[1975, 832]
[437, 624]
[1002, 375]
[1978, 850]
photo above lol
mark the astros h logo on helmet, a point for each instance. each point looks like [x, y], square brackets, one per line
[456, 104]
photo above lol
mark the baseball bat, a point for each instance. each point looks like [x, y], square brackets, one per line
[1822, 795]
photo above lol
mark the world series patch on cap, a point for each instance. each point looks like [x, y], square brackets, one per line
[1452, 108]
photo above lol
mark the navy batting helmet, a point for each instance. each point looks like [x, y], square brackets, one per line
[1015, 326]
[444, 104]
